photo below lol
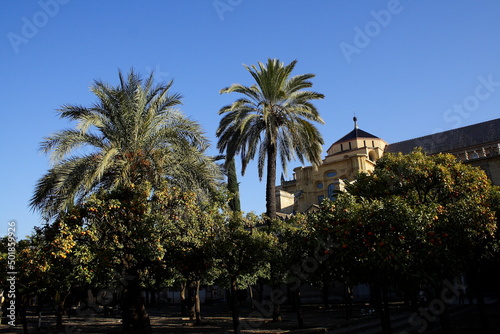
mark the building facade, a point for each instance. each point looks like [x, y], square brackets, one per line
[358, 151]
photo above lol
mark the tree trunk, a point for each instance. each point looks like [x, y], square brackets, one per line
[386, 314]
[60, 309]
[197, 306]
[271, 182]
[381, 304]
[4, 312]
[251, 296]
[190, 299]
[277, 312]
[24, 306]
[193, 300]
[153, 300]
[182, 293]
[276, 306]
[444, 314]
[483, 317]
[325, 295]
[135, 319]
[235, 308]
[261, 292]
[39, 313]
[411, 296]
[348, 300]
[300, 315]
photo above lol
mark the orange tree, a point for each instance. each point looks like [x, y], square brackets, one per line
[127, 243]
[17, 284]
[52, 263]
[373, 241]
[121, 241]
[293, 259]
[416, 218]
[189, 228]
[451, 202]
[67, 255]
[241, 250]
[495, 206]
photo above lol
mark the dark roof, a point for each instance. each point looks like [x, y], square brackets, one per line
[356, 133]
[472, 135]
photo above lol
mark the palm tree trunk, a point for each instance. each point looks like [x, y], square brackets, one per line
[271, 182]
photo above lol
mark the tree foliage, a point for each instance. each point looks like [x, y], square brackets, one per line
[416, 217]
[123, 150]
[132, 134]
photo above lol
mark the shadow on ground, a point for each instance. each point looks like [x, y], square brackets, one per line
[216, 319]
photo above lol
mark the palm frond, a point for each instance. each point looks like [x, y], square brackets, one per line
[273, 117]
[134, 134]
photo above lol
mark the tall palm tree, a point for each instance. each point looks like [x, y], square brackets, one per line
[274, 117]
[133, 134]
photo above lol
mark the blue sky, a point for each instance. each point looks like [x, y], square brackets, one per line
[406, 68]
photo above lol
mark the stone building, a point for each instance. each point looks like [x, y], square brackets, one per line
[477, 145]
[358, 151]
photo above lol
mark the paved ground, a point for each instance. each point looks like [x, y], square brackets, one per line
[216, 319]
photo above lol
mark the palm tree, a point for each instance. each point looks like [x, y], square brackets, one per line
[132, 135]
[274, 117]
